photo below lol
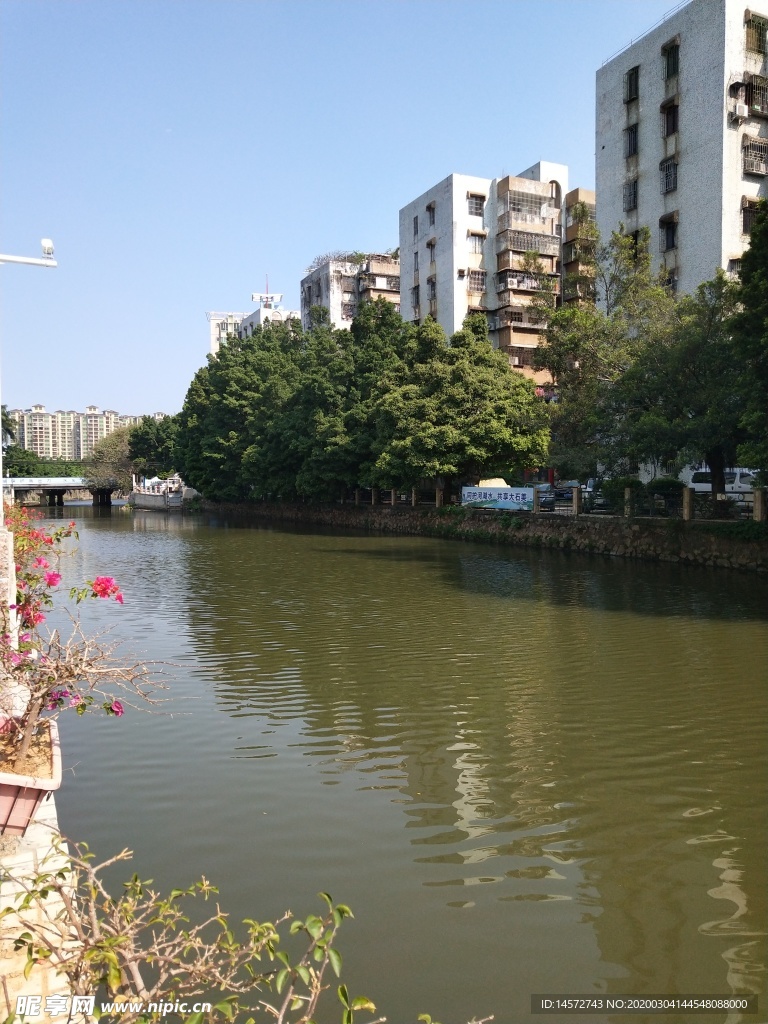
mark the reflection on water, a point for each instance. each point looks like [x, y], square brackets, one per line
[527, 772]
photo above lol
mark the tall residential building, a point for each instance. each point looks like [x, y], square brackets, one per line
[66, 435]
[221, 325]
[243, 324]
[341, 285]
[578, 246]
[463, 246]
[682, 137]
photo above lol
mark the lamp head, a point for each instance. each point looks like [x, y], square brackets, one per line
[47, 245]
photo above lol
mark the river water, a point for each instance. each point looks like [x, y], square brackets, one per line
[527, 772]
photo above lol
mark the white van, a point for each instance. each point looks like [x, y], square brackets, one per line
[739, 483]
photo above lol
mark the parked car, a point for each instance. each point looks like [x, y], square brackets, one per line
[564, 488]
[739, 483]
[546, 497]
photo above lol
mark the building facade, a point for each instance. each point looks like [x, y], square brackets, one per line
[682, 137]
[341, 285]
[465, 247]
[67, 434]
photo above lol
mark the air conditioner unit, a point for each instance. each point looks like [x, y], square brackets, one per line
[462, 272]
[514, 360]
[742, 110]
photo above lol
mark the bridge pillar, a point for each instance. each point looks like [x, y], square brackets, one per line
[102, 496]
[56, 497]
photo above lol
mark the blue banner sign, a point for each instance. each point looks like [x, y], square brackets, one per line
[498, 497]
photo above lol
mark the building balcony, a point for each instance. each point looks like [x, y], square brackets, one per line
[528, 241]
[512, 281]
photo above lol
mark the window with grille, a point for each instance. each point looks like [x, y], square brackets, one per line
[756, 30]
[415, 226]
[748, 215]
[668, 175]
[669, 115]
[630, 140]
[431, 251]
[431, 288]
[475, 205]
[477, 280]
[476, 243]
[632, 84]
[734, 267]
[431, 214]
[415, 297]
[754, 156]
[756, 95]
[670, 60]
[630, 195]
[667, 235]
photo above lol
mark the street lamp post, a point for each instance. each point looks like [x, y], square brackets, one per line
[46, 260]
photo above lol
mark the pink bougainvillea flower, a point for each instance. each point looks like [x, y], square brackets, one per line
[75, 699]
[116, 708]
[52, 579]
[105, 586]
[41, 563]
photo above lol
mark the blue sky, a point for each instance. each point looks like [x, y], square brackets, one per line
[179, 151]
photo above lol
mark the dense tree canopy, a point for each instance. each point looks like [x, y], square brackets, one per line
[750, 339]
[151, 445]
[291, 414]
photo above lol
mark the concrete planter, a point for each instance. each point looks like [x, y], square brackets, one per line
[21, 795]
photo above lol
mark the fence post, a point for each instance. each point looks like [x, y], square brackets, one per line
[688, 493]
[627, 502]
[536, 500]
[576, 498]
[374, 495]
[758, 508]
[438, 497]
[357, 495]
[393, 497]
[414, 497]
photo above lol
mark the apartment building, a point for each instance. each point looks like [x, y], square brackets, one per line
[221, 325]
[463, 246]
[578, 246]
[66, 434]
[682, 137]
[342, 284]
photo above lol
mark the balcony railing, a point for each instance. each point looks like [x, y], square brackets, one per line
[528, 241]
[511, 281]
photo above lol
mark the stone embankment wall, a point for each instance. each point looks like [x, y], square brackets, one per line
[736, 545]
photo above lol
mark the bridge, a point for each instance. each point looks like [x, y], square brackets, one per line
[55, 487]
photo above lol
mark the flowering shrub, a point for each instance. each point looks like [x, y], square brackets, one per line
[46, 674]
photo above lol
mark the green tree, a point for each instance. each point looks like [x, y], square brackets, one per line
[458, 413]
[750, 339]
[590, 345]
[19, 461]
[109, 462]
[680, 399]
[8, 426]
[226, 446]
[151, 445]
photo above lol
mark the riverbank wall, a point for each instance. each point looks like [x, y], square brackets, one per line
[728, 545]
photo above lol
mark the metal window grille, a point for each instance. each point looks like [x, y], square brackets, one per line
[415, 297]
[415, 226]
[630, 195]
[431, 251]
[348, 310]
[475, 205]
[529, 207]
[748, 215]
[669, 119]
[528, 241]
[667, 235]
[477, 280]
[431, 214]
[757, 94]
[431, 288]
[670, 60]
[668, 175]
[632, 84]
[734, 268]
[757, 33]
[475, 243]
[755, 157]
[630, 140]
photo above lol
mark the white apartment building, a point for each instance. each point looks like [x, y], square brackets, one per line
[243, 324]
[682, 137]
[221, 325]
[341, 285]
[462, 246]
[66, 434]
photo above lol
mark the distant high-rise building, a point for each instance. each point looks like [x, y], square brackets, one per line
[342, 284]
[67, 435]
[243, 324]
[682, 137]
[463, 246]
